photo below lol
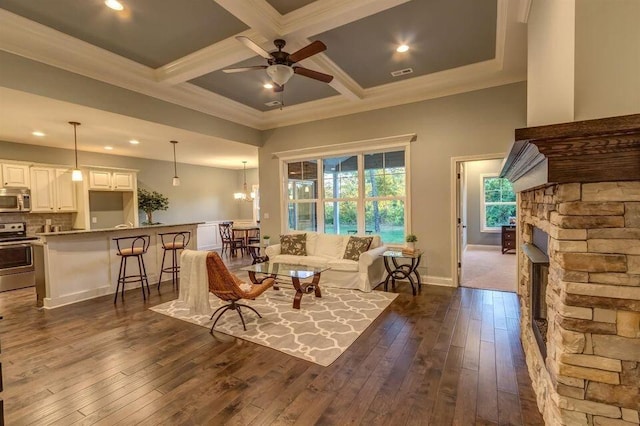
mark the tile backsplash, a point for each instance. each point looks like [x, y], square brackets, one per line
[36, 221]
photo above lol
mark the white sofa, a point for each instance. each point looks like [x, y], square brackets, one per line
[327, 250]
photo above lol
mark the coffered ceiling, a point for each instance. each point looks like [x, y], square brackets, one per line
[175, 51]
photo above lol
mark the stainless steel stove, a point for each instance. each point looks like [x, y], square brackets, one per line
[16, 256]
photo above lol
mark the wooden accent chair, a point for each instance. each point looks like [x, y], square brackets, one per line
[226, 286]
[228, 239]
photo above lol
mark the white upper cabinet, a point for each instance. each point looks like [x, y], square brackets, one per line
[100, 180]
[65, 191]
[52, 190]
[15, 175]
[42, 189]
[103, 180]
[122, 181]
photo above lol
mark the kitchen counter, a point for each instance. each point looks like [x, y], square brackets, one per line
[89, 231]
[83, 264]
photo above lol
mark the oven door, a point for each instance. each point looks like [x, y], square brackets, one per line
[15, 258]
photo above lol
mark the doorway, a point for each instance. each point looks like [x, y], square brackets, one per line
[483, 203]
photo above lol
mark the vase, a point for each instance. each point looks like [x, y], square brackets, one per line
[410, 246]
[149, 218]
[266, 242]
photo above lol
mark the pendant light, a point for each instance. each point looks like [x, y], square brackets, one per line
[76, 174]
[176, 179]
[245, 195]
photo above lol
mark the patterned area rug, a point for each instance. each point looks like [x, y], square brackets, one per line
[319, 332]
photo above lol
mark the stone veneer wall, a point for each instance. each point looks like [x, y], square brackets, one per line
[592, 372]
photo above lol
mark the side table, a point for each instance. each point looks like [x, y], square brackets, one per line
[254, 251]
[397, 271]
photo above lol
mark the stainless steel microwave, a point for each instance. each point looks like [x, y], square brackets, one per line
[15, 200]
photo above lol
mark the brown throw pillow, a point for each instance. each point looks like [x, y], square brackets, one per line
[295, 244]
[356, 246]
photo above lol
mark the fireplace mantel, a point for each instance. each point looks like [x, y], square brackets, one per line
[603, 150]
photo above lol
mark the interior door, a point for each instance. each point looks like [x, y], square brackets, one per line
[461, 214]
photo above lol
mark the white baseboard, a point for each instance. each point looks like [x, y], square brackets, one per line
[68, 299]
[441, 281]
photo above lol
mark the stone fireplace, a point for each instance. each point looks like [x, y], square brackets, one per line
[580, 184]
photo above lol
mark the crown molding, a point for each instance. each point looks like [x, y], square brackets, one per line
[32, 40]
[445, 83]
[208, 59]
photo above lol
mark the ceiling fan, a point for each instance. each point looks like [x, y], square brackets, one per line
[282, 64]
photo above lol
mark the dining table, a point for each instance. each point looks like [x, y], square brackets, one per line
[245, 230]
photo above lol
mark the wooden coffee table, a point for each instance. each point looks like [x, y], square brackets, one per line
[295, 272]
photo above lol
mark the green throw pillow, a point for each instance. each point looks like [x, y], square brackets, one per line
[356, 246]
[295, 244]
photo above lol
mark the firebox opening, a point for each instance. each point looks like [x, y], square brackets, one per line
[538, 276]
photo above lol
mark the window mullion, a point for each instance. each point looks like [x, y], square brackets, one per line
[320, 193]
[361, 193]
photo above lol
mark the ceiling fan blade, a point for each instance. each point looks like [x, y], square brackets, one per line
[243, 69]
[253, 46]
[309, 50]
[326, 78]
[277, 88]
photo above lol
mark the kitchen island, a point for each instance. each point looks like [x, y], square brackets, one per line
[77, 265]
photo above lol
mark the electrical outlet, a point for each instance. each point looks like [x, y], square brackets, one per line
[47, 222]
[94, 220]
[266, 215]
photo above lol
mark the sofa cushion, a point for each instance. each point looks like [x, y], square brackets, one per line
[295, 244]
[315, 261]
[356, 246]
[343, 265]
[329, 245]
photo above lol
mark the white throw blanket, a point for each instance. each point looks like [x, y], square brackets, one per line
[194, 281]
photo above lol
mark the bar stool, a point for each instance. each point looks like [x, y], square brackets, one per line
[174, 241]
[137, 248]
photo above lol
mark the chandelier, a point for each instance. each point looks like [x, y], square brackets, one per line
[245, 195]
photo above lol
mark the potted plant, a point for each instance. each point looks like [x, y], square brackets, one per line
[265, 240]
[149, 202]
[411, 242]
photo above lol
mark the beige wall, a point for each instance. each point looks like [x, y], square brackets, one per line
[473, 123]
[607, 58]
[205, 193]
[550, 65]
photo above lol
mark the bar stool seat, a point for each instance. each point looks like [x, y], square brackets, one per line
[129, 247]
[172, 241]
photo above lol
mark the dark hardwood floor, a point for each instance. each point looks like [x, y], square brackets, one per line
[447, 356]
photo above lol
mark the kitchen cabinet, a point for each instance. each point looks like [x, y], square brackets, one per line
[15, 175]
[102, 180]
[52, 190]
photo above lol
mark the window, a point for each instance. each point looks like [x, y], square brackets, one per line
[497, 203]
[358, 193]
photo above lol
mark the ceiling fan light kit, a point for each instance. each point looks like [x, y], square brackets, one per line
[280, 74]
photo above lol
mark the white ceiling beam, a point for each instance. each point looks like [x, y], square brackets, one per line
[342, 82]
[257, 14]
[325, 15]
[211, 58]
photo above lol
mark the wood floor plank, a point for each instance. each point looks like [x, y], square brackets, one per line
[427, 359]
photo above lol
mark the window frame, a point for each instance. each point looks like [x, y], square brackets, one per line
[483, 205]
[362, 198]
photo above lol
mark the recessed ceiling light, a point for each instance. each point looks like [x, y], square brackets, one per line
[268, 86]
[37, 133]
[114, 4]
[134, 142]
[402, 48]
[108, 148]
